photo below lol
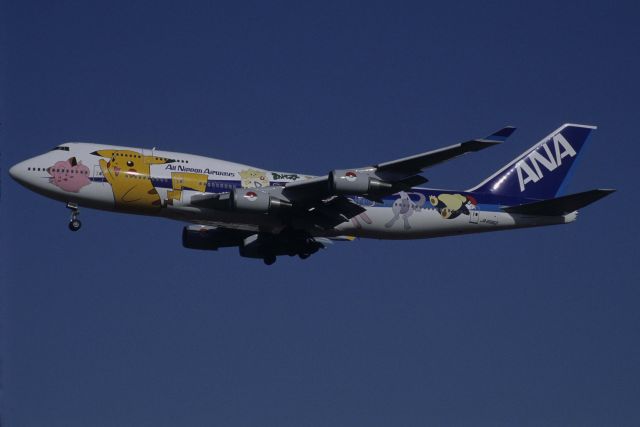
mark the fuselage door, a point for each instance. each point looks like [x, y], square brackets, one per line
[473, 217]
[98, 175]
[147, 154]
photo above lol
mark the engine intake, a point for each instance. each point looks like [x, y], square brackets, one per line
[350, 182]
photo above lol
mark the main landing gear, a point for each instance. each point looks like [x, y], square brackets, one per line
[74, 222]
[271, 259]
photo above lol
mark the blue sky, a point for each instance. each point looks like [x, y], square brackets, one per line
[118, 325]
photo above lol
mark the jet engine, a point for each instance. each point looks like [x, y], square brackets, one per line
[350, 182]
[252, 200]
[247, 200]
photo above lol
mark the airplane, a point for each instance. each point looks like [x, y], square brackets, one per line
[267, 214]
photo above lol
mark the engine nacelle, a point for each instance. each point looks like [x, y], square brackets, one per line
[252, 200]
[210, 238]
[351, 182]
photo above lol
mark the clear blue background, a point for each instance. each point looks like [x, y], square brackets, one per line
[118, 325]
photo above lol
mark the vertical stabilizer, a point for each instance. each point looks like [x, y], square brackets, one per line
[543, 170]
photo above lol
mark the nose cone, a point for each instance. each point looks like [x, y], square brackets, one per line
[17, 172]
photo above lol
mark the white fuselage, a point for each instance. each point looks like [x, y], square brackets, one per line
[161, 183]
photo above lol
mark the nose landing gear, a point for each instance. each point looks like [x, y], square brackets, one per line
[74, 222]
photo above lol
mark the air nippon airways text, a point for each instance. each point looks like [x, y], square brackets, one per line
[529, 169]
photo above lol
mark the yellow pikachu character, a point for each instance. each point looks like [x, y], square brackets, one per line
[128, 173]
[185, 180]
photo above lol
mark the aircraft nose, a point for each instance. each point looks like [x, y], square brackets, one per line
[17, 171]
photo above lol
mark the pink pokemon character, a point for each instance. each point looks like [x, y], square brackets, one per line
[69, 175]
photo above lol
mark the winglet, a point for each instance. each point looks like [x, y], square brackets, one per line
[501, 135]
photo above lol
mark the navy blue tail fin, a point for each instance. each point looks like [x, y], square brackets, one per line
[542, 171]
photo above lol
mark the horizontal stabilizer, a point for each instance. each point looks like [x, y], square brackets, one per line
[560, 205]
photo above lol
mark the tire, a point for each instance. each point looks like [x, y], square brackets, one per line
[269, 259]
[75, 224]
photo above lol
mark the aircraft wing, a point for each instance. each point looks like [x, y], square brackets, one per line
[315, 213]
[324, 202]
[390, 177]
[328, 213]
[413, 165]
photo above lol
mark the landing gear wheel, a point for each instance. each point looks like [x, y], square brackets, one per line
[269, 259]
[74, 222]
[304, 256]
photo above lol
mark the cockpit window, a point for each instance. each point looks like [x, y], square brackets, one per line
[61, 148]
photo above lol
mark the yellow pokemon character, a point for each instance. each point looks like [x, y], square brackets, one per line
[128, 173]
[252, 178]
[185, 181]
